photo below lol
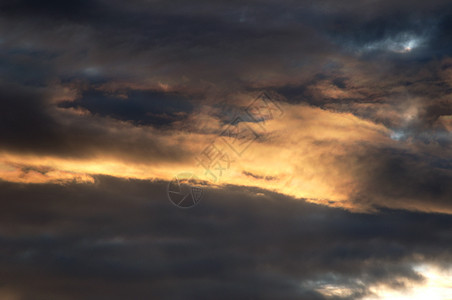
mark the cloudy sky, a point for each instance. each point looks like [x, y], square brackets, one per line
[317, 135]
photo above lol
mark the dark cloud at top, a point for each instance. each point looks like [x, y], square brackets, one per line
[224, 43]
[71, 10]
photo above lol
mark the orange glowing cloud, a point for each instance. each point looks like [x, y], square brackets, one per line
[298, 154]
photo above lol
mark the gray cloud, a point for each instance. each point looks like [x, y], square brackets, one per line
[118, 238]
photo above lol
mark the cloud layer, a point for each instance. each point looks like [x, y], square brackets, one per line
[122, 239]
[340, 191]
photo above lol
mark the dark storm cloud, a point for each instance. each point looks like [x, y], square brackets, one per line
[70, 10]
[141, 107]
[120, 239]
[29, 123]
[24, 120]
[26, 66]
[416, 181]
[171, 41]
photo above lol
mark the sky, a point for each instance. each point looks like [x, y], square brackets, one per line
[194, 149]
